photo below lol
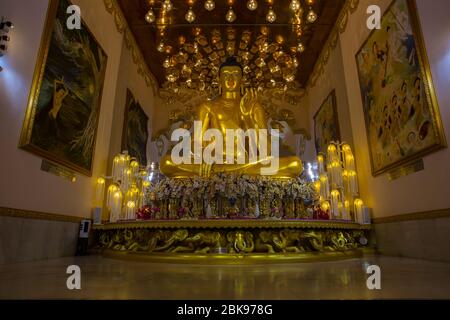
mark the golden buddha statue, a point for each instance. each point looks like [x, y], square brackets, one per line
[231, 112]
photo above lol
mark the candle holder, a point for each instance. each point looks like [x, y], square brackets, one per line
[128, 184]
[338, 182]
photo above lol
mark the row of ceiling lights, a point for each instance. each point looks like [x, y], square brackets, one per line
[189, 65]
[231, 16]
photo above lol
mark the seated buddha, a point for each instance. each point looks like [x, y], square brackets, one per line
[228, 116]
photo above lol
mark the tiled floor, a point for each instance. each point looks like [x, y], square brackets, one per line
[114, 279]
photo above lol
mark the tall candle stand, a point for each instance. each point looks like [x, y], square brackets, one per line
[338, 183]
[125, 194]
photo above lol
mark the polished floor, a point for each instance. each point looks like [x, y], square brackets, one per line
[113, 279]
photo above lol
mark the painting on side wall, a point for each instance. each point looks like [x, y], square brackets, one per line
[135, 130]
[400, 107]
[326, 124]
[64, 105]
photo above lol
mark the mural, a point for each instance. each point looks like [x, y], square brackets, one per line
[135, 130]
[326, 124]
[400, 108]
[64, 105]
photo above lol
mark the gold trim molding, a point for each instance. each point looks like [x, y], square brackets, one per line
[27, 214]
[340, 26]
[426, 215]
[113, 8]
[228, 224]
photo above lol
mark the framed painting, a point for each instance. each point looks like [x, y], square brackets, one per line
[64, 104]
[326, 124]
[135, 130]
[400, 107]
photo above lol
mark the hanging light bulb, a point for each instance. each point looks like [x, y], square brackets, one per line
[230, 16]
[172, 77]
[312, 16]
[190, 16]
[167, 5]
[271, 16]
[150, 16]
[161, 47]
[295, 5]
[210, 5]
[301, 47]
[167, 63]
[252, 5]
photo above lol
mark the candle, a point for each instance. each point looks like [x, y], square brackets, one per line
[335, 196]
[336, 174]
[116, 169]
[134, 167]
[324, 186]
[123, 166]
[332, 153]
[317, 186]
[127, 179]
[116, 206]
[353, 183]
[359, 204]
[99, 192]
[347, 207]
[110, 197]
[141, 199]
[320, 164]
[131, 210]
[349, 160]
[145, 185]
[325, 206]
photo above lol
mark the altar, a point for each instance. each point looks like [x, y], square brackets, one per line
[232, 241]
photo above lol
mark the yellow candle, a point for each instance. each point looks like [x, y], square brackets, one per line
[131, 210]
[359, 210]
[99, 192]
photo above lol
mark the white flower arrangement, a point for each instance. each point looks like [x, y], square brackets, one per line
[233, 186]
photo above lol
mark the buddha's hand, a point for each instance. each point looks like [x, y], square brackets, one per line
[248, 101]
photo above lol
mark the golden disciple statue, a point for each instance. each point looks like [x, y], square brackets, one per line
[227, 116]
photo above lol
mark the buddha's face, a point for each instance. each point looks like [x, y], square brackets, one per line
[230, 78]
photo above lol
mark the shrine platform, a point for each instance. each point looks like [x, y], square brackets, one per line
[232, 241]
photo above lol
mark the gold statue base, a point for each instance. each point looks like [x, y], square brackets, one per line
[232, 241]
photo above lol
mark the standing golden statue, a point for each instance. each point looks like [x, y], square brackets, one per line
[230, 111]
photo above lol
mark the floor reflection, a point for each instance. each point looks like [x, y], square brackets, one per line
[114, 279]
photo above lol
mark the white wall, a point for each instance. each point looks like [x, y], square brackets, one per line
[422, 191]
[22, 184]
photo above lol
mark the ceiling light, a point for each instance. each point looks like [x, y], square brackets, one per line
[252, 5]
[161, 47]
[210, 5]
[190, 16]
[150, 16]
[167, 5]
[312, 16]
[295, 5]
[230, 16]
[271, 16]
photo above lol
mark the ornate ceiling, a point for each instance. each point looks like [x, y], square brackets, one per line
[187, 54]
